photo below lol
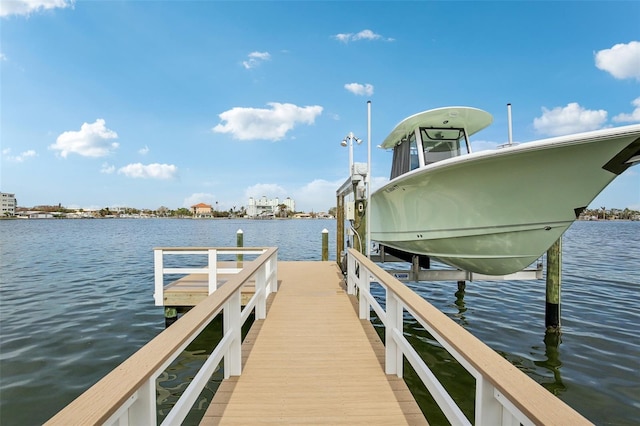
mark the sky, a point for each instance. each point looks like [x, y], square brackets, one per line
[171, 103]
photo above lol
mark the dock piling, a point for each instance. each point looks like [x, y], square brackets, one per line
[325, 244]
[554, 281]
[239, 243]
[170, 315]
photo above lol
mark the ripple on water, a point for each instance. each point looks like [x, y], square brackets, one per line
[77, 299]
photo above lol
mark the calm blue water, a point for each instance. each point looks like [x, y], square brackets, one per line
[76, 300]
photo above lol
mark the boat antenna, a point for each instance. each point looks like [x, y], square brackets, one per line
[510, 127]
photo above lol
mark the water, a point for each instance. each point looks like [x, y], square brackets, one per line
[76, 300]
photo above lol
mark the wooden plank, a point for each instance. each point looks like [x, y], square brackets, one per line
[313, 361]
[194, 288]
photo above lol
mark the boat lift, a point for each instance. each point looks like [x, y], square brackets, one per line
[357, 187]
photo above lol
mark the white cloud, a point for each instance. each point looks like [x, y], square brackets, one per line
[149, 171]
[93, 140]
[3, 57]
[143, 151]
[378, 182]
[362, 35]
[621, 61]
[570, 119]
[255, 59]
[269, 190]
[107, 169]
[18, 158]
[634, 117]
[359, 89]
[270, 124]
[318, 195]
[26, 7]
[199, 197]
[478, 145]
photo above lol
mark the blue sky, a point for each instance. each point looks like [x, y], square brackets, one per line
[171, 103]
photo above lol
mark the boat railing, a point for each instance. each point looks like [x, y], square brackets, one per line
[503, 394]
[127, 395]
[211, 270]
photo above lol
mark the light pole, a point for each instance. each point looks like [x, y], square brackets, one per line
[350, 137]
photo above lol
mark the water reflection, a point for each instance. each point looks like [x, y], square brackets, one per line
[460, 304]
[451, 374]
[174, 380]
[552, 362]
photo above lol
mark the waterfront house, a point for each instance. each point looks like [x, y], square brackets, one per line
[202, 210]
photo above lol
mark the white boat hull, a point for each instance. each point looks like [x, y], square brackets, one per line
[496, 212]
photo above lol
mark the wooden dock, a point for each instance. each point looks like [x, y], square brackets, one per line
[193, 288]
[311, 356]
[313, 361]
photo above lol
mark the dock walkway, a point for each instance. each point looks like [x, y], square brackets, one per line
[313, 361]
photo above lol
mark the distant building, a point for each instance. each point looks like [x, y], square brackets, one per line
[39, 215]
[202, 210]
[8, 204]
[264, 207]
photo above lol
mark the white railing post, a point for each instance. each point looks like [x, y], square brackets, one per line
[363, 292]
[393, 351]
[273, 281]
[158, 294]
[488, 409]
[213, 270]
[351, 268]
[232, 322]
[143, 411]
[261, 291]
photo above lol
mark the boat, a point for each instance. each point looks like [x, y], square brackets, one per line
[491, 212]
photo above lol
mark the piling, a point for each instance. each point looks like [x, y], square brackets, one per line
[362, 226]
[170, 315]
[239, 243]
[554, 272]
[325, 244]
[359, 225]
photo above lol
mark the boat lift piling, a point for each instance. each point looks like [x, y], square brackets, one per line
[554, 284]
[353, 211]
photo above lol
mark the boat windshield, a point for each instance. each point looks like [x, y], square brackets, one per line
[440, 144]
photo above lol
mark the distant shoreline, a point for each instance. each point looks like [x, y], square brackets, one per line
[162, 217]
[238, 218]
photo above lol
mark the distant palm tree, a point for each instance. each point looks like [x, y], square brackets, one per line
[604, 212]
[283, 210]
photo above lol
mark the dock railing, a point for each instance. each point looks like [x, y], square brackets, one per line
[503, 395]
[212, 269]
[127, 395]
